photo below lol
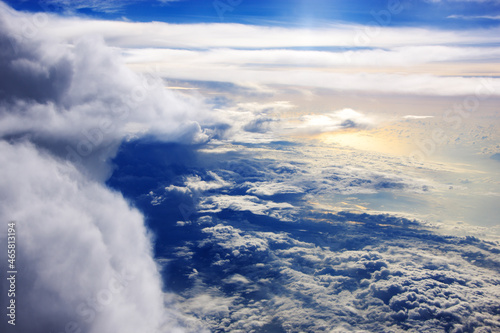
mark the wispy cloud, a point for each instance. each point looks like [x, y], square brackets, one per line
[232, 35]
[110, 6]
[475, 17]
[343, 57]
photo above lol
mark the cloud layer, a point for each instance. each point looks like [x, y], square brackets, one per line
[260, 242]
[250, 233]
[365, 58]
[299, 282]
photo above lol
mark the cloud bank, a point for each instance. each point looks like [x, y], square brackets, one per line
[349, 57]
[262, 242]
[85, 256]
[259, 242]
[79, 100]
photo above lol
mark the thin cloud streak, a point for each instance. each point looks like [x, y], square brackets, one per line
[242, 53]
[475, 17]
[220, 35]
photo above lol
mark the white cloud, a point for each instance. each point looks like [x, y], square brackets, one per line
[286, 58]
[474, 17]
[358, 81]
[75, 227]
[217, 203]
[195, 183]
[383, 283]
[84, 255]
[242, 53]
[272, 188]
[331, 122]
[237, 279]
[235, 240]
[328, 179]
[80, 101]
[231, 35]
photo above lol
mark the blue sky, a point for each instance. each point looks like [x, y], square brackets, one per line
[443, 14]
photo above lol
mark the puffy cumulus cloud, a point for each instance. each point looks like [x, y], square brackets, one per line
[84, 255]
[235, 240]
[273, 185]
[238, 267]
[341, 277]
[254, 122]
[352, 179]
[272, 188]
[249, 269]
[271, 178]
[333, 121]
[85, 258]
[266, 122]
[196, 184]
[217, 203]
[193, 187]
[80, 100]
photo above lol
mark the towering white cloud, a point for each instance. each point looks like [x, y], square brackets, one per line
[79, 100]
[85, 258]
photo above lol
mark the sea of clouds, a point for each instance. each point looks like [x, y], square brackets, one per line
[238, 244]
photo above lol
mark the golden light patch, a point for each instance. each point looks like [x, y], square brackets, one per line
[368, 140]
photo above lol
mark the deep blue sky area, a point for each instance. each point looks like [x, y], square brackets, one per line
[302, 13]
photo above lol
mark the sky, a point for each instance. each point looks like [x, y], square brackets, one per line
[251, 166]
[299, 13]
